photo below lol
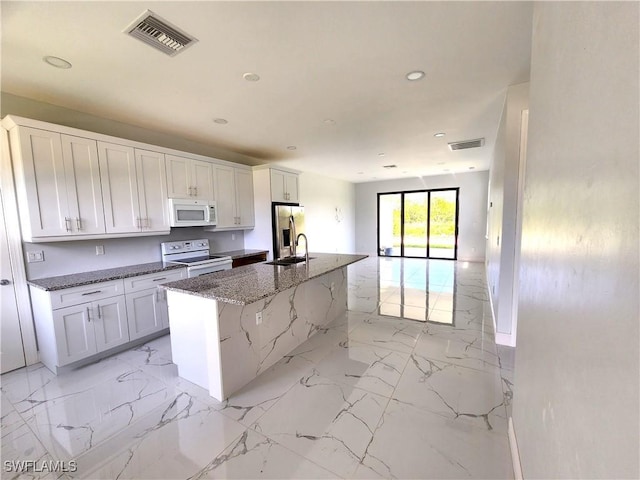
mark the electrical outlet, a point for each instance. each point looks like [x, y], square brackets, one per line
[99, 249]
[36, 256]
[258, 318]
[233, 236]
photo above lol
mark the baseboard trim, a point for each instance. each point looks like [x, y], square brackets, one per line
[507, 339]
[515, 454]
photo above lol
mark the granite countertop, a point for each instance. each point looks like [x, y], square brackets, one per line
[241, 253]
[251, 283]
[78, 279]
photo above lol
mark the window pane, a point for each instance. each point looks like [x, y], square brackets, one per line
[442, 224]
[389, 224]
[415, 224]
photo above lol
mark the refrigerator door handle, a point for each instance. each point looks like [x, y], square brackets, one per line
[293, 236]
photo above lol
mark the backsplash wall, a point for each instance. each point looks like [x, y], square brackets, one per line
[61, 258]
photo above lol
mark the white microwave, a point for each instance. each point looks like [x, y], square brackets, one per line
[186, 212]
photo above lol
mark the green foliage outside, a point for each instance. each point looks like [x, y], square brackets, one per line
[415, 229]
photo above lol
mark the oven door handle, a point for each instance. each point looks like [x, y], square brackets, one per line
[195, 268]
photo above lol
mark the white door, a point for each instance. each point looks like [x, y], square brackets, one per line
[225, 196]
[202, 179]
[278, 186]
[291, 187]
[244, 198]
[83, 185]
[119, 188]
[110, 322]
[74, 332]
[144, 313]
[152, 191]
[179, 177]
[40, 156]
[11, 349]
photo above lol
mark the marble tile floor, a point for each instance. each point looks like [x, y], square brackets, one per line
[408, 384]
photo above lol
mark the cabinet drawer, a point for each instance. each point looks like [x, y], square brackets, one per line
[86, 293]
[151, 280]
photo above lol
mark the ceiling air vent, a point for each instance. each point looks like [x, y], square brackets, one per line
[160, 34]
[478, 142]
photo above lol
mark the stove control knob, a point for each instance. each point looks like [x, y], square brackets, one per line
[175, 247]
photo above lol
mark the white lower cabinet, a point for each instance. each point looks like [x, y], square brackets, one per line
[90, 328]
[147, 304]
[77, 323]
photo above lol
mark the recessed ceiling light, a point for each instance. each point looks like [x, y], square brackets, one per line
[360, 173]
[56, 62]
[439, 134]
[472, 168]
[390, 166]
[329, 121]
[415, 75]
[251, 77]
[291, 147]
[381, 154]
[220, 121]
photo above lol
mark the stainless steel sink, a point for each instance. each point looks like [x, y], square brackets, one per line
[288, 261]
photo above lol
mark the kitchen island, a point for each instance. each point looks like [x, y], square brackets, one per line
[230, 326]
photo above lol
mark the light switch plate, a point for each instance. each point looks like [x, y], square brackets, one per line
[99, 249]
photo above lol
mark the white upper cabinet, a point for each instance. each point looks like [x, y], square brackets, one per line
[84, 191]
[244, 198]
[73, 184]
[152, 191]
[284, 186]
[57, 183]
[134, 189]
[119, 188]
[190, 178]
[234, 197]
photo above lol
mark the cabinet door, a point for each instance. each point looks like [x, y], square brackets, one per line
[225, 196]
[244, 198]
[119, 188]
[179, 177]
[42, 189]
[277, 186]
[202, 180]
[109, 318]
[74, 333]
[84, 192]
[152, 191]
[291, 187]
[144, 312]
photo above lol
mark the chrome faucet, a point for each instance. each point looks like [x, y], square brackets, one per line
[306, 246]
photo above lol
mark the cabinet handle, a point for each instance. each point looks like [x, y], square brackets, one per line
[196, 191]
[191, 191]
[91, 293]
[99, 312]
[139, 223]
[88, 315]
[79, 223]
[159, 279]
[147, 223]
[67, 223]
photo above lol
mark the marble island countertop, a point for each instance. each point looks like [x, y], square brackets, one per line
[248, 284]
[86, 278]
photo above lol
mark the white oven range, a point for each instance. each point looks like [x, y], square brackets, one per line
[194, 254]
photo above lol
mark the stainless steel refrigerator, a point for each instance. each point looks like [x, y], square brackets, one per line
[288, 223]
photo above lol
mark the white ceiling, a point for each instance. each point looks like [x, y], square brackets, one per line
[344, 61]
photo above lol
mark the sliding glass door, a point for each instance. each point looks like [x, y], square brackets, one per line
[418, 224]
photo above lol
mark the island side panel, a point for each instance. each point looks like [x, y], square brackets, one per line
[239, 345]
[195, 340]
[289, 318]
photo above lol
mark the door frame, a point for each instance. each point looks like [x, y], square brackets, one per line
[14, 242]
[428, 191]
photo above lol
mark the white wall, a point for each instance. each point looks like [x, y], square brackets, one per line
[472, 210]
[329, 209]
[576, 405]
[62, 258]
[502, 215]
